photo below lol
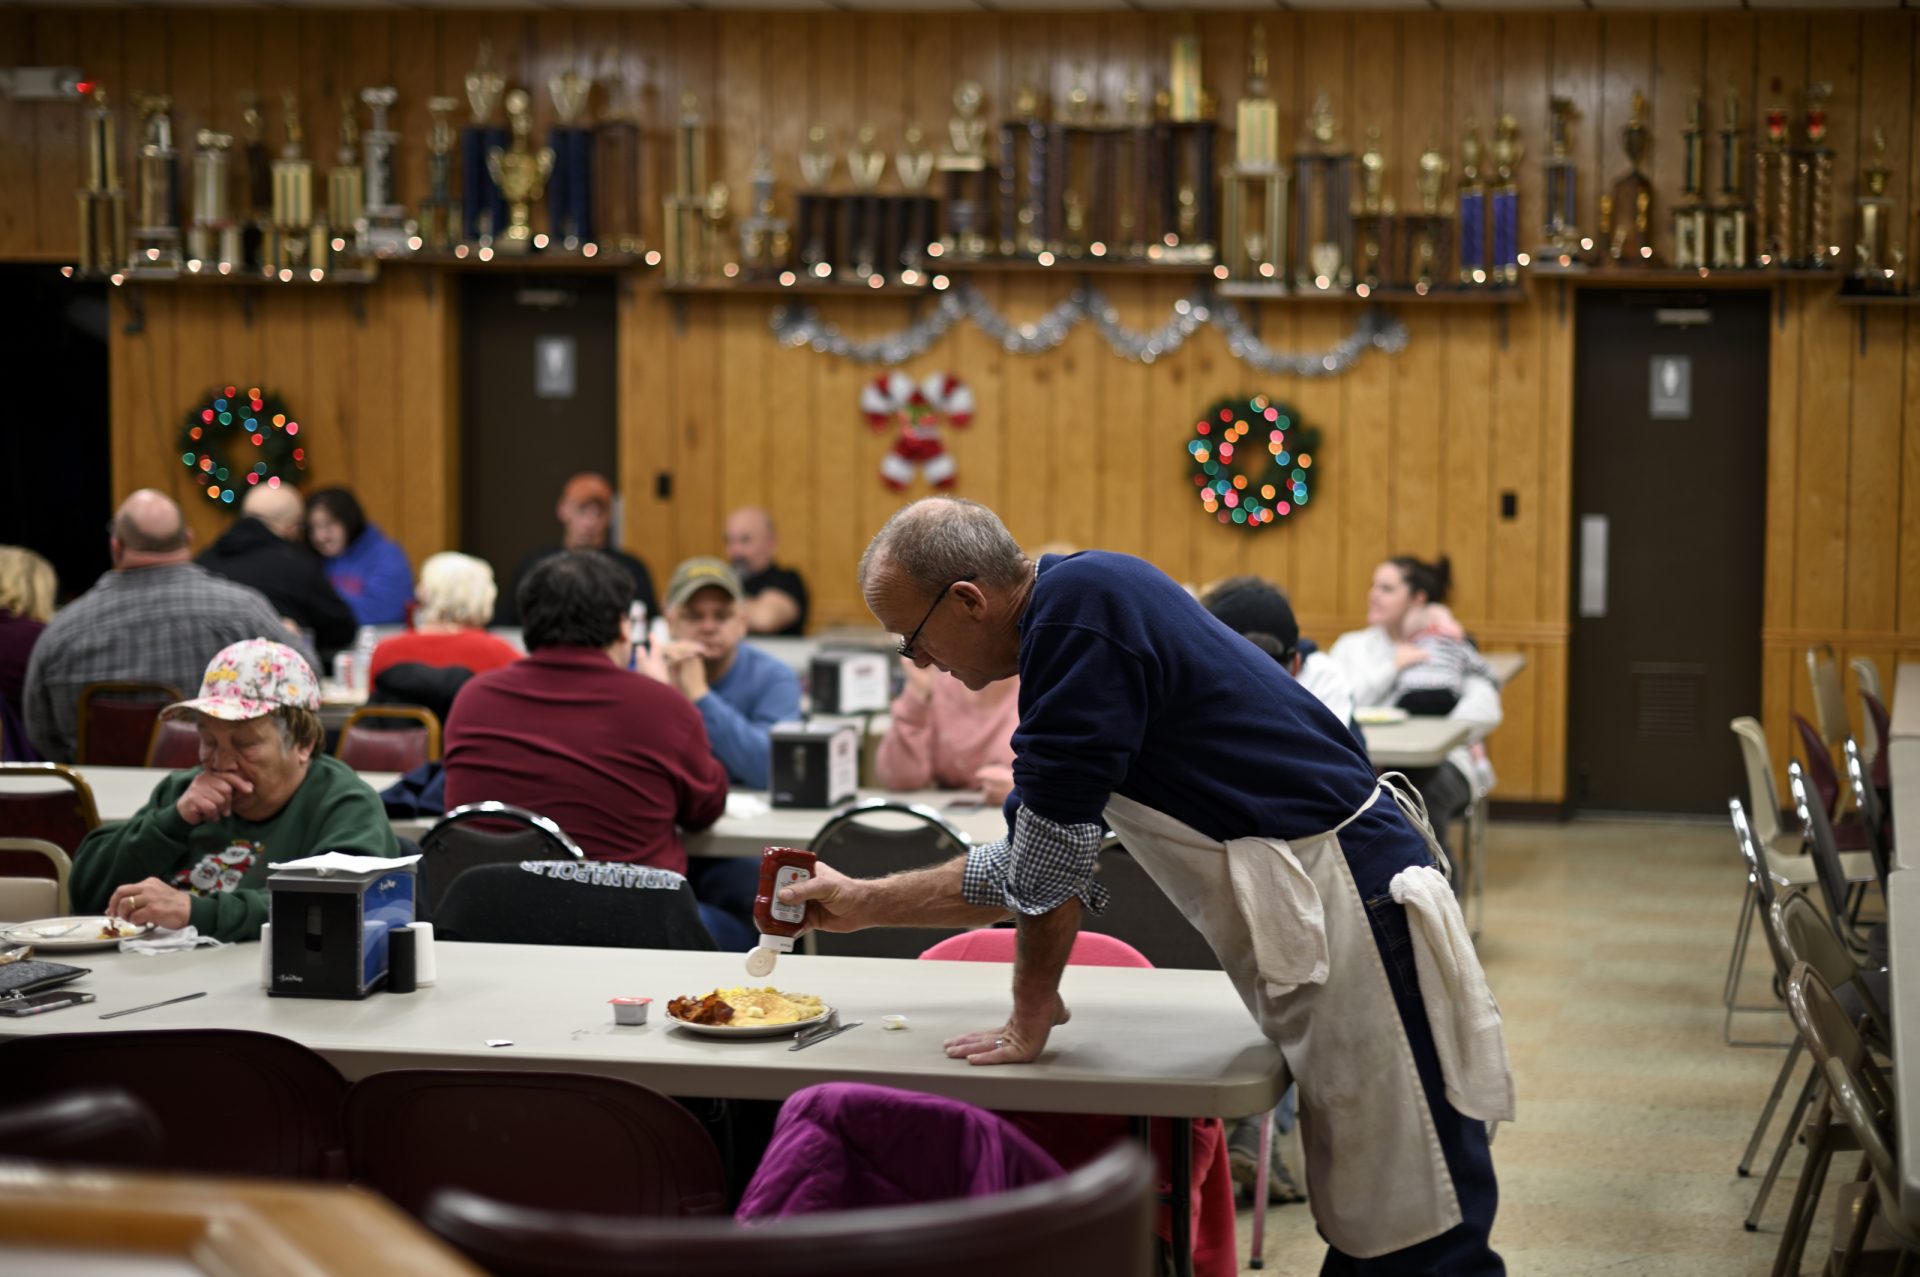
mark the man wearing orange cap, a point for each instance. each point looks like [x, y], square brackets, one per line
[585, 511]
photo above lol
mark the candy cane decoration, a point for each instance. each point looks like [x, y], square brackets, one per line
[919, 412]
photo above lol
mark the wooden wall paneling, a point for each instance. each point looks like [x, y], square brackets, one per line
[1418, 385]
[20, 135]
[1127, 451]
[1820, 465]
[1679, 68]
[883, 102]
[1525, 70]
[647, 456]
[415, 73]
[1575, 75]
[1550, 722]
[1873, 465]
[1513, 748]
[1176, 397]
[700, 444]
[57, 41]
[744, 393]
[431, 454]
[1030, 382]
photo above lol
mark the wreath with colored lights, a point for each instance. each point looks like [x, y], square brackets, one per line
[233, 441]
[1252, 459]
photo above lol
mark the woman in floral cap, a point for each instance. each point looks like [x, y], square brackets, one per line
[197, 853]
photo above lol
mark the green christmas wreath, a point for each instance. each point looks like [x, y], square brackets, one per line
[1252, 460]
[231, 442]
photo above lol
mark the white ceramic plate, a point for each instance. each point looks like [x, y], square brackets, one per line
[76, 931]
[1379, 715]
[749, 1030]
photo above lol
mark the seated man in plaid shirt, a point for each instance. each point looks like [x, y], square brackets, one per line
[157, 617]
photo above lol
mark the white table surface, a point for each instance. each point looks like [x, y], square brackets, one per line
[1154, 1043]
[1420, 741]
[795, 826]
[1905, 710]
[1903, 963]
[118, 792]
[1506, 665]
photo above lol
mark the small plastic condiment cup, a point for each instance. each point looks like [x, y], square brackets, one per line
[894, 1022]
[630, 1010]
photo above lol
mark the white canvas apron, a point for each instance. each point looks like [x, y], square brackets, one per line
[1289, 927]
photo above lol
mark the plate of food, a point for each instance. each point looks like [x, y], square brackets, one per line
[88, 931]
[1379, 715]
[747, 1013]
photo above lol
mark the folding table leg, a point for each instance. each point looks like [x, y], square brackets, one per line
[1182, 1210]
[1258, 1259]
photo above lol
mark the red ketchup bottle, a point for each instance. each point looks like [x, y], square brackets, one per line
[777, 923]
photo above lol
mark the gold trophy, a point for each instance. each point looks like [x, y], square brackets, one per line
[347, 181]
[1773, 187]
[1876, 261]
[103, 204]
[1253, 237]
[156, 239]
[213, 237]
[1323, 213]
[686, 207]
[1428, 243]
[866, 160]
[1626, 213]
[1503, 203]
[914, 162]
[1561, 227]
[1372, 216]
[1730, 208]
[521, 174]
[440, 212]
[1690, 247]
[295, 238]
[966, 178]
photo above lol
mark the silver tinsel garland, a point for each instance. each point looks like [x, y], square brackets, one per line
[802, 326]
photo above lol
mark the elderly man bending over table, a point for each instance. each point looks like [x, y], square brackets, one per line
[198, 851]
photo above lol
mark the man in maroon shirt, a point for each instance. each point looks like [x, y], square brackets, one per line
[616, 758]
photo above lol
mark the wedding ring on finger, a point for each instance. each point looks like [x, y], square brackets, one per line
[1000, 1044]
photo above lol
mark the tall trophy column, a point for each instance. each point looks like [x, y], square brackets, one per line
[483, 209]
[156, 240]
[384, 229]
[103, 203]
[570, 207]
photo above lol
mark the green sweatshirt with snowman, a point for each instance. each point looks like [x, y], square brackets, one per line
[222, 863]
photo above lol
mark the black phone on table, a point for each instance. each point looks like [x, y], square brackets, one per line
[51, 1000]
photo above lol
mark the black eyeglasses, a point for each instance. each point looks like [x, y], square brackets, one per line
[906, 644]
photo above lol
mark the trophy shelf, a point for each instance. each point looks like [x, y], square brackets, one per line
[1243, 291]
[1072, 266]
[1878, 299]
[1669, 277]
[352, 278]
[774, 288]
[604, 259]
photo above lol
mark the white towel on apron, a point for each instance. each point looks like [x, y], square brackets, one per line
[1292, 933]
[1466, 1020]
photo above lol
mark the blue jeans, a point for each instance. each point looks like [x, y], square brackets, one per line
[1377, 847]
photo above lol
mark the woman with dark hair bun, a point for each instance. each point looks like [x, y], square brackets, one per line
[367, 570]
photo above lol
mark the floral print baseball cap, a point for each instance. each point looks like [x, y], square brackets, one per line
[251, 679]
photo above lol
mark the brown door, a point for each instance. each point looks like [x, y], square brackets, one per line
[1669, 487]
[537, 393]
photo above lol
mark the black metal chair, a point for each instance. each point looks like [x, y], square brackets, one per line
[1141, 914]
[1829, 871]
[595, 903]
[94, 1126]
[458, 841]
[871, 840]
[1873, 816]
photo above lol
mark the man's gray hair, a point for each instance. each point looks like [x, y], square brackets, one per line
[936, 541]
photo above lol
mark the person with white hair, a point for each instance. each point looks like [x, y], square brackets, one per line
[448, 643]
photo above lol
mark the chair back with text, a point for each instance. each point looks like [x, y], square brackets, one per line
[229, 1101]
[1144, 916]
[593, 903]
[483, 834]
[874, 839]
[47, 801]
[1096, 1219]
[1829, 698]
[389, 738]
[551, 1141]
[175, 745]
[116, 721]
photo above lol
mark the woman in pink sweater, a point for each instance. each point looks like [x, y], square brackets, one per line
[946, 737]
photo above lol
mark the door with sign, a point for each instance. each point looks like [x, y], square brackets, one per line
[1669, 486]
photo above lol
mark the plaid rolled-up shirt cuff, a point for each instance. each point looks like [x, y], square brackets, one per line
[1039, 869]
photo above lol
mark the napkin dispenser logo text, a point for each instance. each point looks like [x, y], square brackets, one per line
[289, 977]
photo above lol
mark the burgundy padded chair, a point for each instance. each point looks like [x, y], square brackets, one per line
[1094, 1220]
[59, 811]
[175, 745]
[547, 1141]
[102, 1126]
[229, 1101]
[116, 722]
[389, 738]
[1817, 762]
